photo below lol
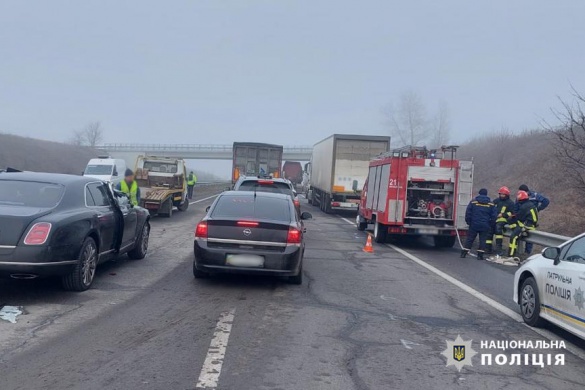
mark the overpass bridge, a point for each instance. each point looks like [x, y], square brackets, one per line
[194, 151]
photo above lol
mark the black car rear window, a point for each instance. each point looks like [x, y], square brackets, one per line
[237, 207]
[30, 194]
[274, 187]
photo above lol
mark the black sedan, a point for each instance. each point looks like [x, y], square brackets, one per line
[251, 233]
[65, 225]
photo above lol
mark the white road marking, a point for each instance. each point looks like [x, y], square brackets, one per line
[575, 350]
[408, 344]
[201, 200]
[348, 221]
[209, 377]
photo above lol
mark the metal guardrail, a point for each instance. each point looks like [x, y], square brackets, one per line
[543, 238]
[186, 147]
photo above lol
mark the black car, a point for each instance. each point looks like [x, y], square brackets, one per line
[252, 233]
[65, 225]
[268, 184]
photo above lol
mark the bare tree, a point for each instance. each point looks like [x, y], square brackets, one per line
[91, 135]
[502, 140]
[78, 138]
[408, 121]
[570, 137]
[441, 126]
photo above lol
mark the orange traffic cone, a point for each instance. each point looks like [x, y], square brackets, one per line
[368, 247]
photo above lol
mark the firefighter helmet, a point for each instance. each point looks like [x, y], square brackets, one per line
[504, 190]
[522, 195]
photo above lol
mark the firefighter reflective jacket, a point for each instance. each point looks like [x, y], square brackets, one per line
[505, 207]
[480, 214]
[527, 214]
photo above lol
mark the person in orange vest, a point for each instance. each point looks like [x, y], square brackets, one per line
[130, 187]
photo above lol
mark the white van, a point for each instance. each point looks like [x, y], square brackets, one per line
[106, 168]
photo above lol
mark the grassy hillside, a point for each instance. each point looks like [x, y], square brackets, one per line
[527, 158]
[36, 155]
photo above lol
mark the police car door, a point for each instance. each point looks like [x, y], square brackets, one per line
[564, 287]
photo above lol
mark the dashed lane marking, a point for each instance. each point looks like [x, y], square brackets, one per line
[575, 350]
[211, 370]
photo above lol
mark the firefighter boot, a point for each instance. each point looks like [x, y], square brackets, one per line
[480, 255]
[464, 253]
[499, 249]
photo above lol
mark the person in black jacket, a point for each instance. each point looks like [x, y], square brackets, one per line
[525, 219]
[480, 216]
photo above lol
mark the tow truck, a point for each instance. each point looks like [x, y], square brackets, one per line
[162, 182]
[417, 191]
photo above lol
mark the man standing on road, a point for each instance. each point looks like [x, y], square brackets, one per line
[130, 187]
[504, 209]
[191, 181]
[524, 219]
[540, 202]
[480, 216]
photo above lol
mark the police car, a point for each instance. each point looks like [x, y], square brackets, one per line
[551, 286]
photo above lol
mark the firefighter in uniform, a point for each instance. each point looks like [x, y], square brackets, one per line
[524, 220]
[480, 216]
[130, 187]
[191, 180]
[504, 209]
[540, 201]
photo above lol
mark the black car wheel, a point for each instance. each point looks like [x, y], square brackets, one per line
[141, 247]
[82, 276]
[297, 279]
[529, 302]
[199, 274]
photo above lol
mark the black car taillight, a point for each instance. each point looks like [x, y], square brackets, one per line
[201, 230]
[294, 236]
[38, 234]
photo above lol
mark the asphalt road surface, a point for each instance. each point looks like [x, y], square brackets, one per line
[359, 321]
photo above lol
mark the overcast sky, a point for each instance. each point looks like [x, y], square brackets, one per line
[283, 71]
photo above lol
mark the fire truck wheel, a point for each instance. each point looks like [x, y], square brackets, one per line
[361, 226]
[380, 232]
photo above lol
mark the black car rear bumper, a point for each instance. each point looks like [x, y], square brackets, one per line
[35, 261]
[213, 260]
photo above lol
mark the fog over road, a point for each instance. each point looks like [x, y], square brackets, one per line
[359, 321]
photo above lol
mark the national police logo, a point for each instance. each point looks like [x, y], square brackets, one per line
[459, 353]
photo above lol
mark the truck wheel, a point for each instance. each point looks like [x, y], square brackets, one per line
[326, 204]
[361, 226]
[168, 209]
[184, 206]
[380, 232]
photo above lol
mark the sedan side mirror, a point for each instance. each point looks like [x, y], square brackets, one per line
[306, 215]
[207, 208]
[552, 253]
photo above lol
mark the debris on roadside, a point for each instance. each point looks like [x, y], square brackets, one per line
[9, 313]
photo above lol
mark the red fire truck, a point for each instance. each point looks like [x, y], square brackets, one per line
[416, 191]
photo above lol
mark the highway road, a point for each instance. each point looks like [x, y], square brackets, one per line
[359, 321]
